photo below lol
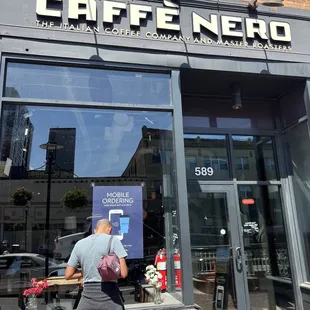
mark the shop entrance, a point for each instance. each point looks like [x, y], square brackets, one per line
[240, 251]
[217, 261]
[239, 248]
[235, 262]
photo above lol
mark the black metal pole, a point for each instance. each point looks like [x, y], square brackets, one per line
[26, 224]
[48, 203]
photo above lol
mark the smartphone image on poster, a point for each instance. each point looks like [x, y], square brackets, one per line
[124, 221]
[114, 218]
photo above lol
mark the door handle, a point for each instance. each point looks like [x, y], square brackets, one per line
[238, 253]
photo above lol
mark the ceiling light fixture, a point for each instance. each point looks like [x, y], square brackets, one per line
[236, 97]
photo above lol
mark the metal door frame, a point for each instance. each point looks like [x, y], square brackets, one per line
[241, 284]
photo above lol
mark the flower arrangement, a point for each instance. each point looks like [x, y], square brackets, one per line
[152, 276]
[20, 197]
[34, 292]
[75, 199]
[37, 288]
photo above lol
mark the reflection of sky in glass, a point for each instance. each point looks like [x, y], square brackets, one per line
[243, 138]
[86, 84]
[106, 140]
[206, 137]
[266, 140]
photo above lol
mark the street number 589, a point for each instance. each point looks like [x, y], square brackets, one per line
[204, 171]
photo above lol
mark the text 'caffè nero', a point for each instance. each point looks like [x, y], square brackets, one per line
[217, 29]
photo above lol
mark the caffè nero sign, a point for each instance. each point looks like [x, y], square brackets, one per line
[213, 29]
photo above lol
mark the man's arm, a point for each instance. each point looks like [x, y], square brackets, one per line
[122, 254]
[73, 263]
[72, 274]
[124, 269]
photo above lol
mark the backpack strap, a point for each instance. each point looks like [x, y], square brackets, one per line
[109, 245]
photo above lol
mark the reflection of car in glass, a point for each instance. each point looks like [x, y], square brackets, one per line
[64, 244]
[19, 268]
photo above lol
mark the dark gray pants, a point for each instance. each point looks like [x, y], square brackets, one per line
[101, 296]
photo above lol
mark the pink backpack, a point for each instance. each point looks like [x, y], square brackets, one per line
[109, 267]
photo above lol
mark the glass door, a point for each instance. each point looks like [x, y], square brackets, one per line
[218, 267]
[235, 211]
[266, 255]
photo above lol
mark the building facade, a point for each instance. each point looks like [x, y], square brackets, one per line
[185, 121]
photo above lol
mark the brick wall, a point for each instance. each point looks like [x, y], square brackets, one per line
[299, 4]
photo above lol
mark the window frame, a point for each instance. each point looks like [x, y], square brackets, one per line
[275, 152]
[81, 64]
[242, 164]
[176, 111]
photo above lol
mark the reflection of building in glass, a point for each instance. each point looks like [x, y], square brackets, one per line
[64, 158]
[14, 216]
[206, 152]
[17, 140]
[11, 92]
[251, 155]
[153, 159]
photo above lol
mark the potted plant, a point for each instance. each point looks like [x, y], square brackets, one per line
[20, 197]
[75, 199]
[32, 293]
[152, 276]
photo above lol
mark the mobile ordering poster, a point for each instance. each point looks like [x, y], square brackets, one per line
[123, 207]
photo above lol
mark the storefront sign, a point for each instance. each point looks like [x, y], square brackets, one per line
[235, 30]
[251, 227]
[122, 205]
[248, 201]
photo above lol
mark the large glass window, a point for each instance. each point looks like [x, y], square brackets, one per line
[292, 106]
[84, 84]
[90, 152]
[200, 113]
[206, 157]
[254, 158]
[265, 246]
[298, 139]
[211, 241]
